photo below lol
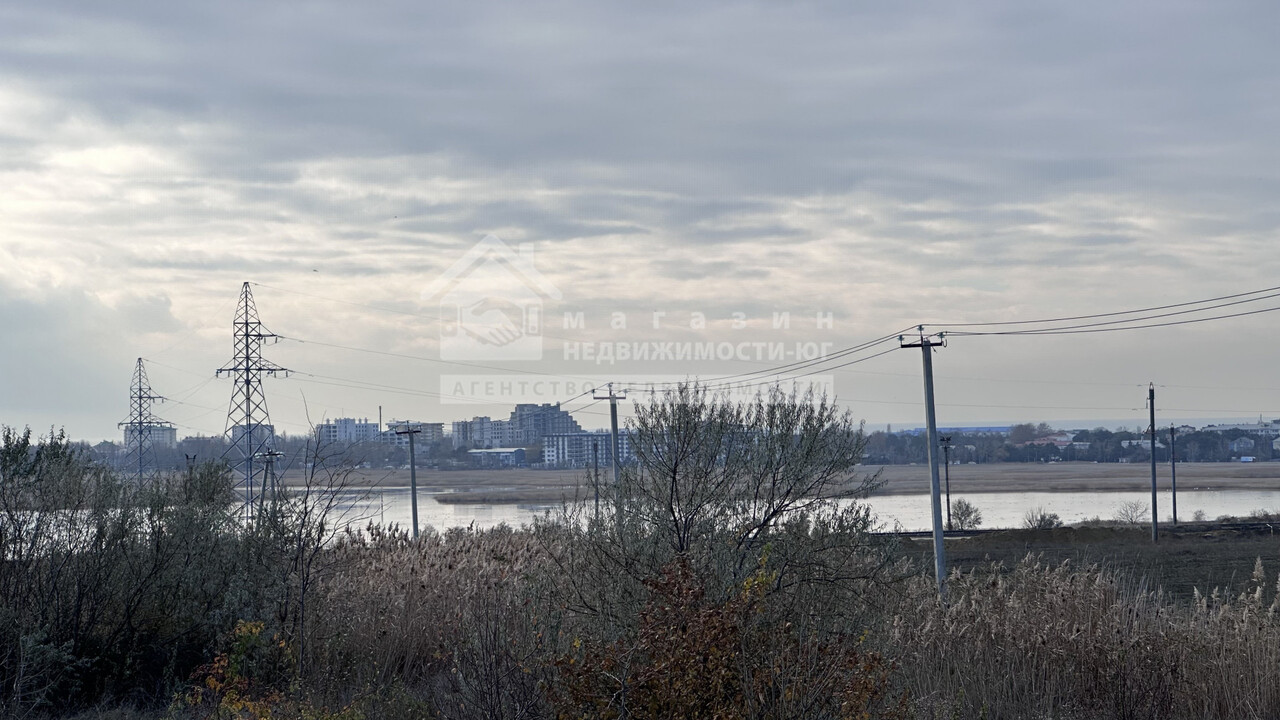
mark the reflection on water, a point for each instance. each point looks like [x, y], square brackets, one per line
[386, 506]
[910, 512]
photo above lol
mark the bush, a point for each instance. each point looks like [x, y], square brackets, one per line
[122, 589]
[1132, 512]
[1040, 519]
[118, 588]
[695, 658]
[965, 515]
[734, 494]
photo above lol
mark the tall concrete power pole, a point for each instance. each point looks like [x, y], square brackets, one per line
[931, 420]
[410, 430]
[1155, 516]
[613, 398]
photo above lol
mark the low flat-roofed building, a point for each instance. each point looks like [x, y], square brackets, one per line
[497, 457]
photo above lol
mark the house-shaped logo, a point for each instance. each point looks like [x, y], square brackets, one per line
[491, 303]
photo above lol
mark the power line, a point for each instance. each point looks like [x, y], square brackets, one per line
[352, 384]
[420, 358]
[796, 365]
[364, 385]
[1116, 313]
[380, 308]
[1097, 329]
[775, 381]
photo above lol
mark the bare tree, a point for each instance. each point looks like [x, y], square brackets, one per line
[1131, 512]
[731, 487]
[705, 463]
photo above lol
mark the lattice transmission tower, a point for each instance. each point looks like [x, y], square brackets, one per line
[142, 425]
[248, 422]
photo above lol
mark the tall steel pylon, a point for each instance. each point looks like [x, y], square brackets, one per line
[248, 423]
[140, 454]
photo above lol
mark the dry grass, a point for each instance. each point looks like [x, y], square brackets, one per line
[445, 617]
[1056, 641]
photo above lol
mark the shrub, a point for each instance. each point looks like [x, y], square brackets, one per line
[696, 658]
[118, 588]
[1040, 519]
[717, 483]
[1132, 512]
[965, 515]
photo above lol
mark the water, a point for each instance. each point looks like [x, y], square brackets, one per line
[910, 512]
[391, 505]
[1006, 509]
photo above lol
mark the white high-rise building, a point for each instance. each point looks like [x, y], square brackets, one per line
[347, 431]
[580, 449]
[428, 433]
[161, 435]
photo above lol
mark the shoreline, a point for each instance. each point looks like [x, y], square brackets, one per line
[495, 487]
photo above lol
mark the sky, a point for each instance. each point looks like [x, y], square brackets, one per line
[425, 196]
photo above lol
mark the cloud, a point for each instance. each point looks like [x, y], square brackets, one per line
[890, 164]
[67, 354]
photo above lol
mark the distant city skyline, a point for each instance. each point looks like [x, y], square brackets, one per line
[424, 195]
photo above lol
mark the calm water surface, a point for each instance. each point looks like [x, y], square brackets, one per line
[909, 512]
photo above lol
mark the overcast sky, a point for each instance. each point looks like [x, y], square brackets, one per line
[890, 164]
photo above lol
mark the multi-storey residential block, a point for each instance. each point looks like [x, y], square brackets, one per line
[346, 431]
[581, 449]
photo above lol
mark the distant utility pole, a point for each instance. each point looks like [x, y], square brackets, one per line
[1155, 518]
[946, 464]
[269, 476]
[413, 474]
[935, 494]
[1173, 470]
[613, 398]
[248, 423]
[595, 473]
[141, 456]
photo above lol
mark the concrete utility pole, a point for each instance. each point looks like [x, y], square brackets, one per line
[946, 464]
[613, 399]
[935, 494]
[269, 476]
[595, 473]
[1155, 518]
[1173, 470]
[413, 474]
